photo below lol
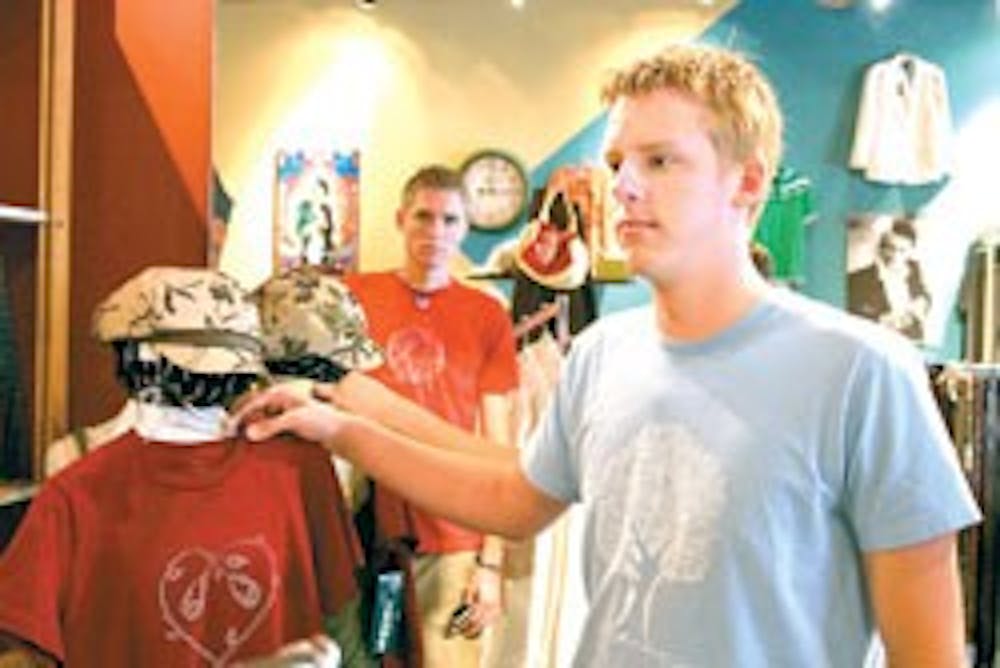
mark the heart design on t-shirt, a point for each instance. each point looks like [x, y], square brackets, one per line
[214, 600]
[416, 356]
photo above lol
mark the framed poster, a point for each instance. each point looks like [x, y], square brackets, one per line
[316, 207]
[885, 274]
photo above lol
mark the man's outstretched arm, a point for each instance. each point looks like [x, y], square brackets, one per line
[487, 494]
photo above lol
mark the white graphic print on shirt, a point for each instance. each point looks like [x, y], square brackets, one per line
[237, 584]
[417, 357]
[663, 496]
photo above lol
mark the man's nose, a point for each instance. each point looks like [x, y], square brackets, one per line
[625, 184]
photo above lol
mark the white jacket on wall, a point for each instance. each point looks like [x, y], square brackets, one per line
[903, 133]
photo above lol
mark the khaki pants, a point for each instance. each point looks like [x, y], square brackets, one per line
[440, 583]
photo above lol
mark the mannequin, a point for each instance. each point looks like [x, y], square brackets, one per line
[197, 547]
[80, 442]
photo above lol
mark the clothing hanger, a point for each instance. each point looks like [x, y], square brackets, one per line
[533, 321]
[558, 310]
[905, 59]
[563, 335]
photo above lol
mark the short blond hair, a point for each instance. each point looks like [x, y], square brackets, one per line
[431, 177]
[747, 116]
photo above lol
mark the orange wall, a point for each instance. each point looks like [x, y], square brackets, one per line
[142, 140]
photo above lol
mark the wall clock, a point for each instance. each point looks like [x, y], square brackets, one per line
[496, 188]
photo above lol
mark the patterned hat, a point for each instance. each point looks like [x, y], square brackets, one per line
[305, 312]
[199, 319]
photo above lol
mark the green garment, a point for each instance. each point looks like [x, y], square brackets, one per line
[781, 228]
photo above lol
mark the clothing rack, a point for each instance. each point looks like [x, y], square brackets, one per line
[968, 395]
[530, 322]
[989, 246]
[557, 309]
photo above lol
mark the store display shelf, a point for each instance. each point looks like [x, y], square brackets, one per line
[10, 213]
[12, 492]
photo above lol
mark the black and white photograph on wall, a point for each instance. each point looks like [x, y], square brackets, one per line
[885, 275]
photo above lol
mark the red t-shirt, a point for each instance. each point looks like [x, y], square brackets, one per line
[162, 554]
[444, 350]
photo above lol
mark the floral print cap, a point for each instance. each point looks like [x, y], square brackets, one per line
[199, 319]
[305, 312]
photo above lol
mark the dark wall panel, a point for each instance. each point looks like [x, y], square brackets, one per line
[19, 67]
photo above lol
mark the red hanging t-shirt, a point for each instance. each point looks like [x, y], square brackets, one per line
[154, 554]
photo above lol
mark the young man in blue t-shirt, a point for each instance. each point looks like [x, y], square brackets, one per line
[766, 480]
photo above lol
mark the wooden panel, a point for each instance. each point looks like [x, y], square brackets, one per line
[51, 393]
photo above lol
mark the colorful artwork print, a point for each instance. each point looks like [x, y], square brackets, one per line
[317, 209]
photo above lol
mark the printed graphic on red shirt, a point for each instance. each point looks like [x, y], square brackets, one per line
[237, 583]
[416, 356]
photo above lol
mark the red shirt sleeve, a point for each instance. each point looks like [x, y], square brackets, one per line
[34, 571]
[336, 549]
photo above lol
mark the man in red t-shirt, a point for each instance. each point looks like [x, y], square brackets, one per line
[450, 348]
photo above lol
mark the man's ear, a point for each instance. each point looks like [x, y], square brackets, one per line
[399, 219]
[753, 184]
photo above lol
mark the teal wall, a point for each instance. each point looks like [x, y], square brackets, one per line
[816, 58]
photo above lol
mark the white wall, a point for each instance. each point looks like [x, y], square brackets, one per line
[411, 82]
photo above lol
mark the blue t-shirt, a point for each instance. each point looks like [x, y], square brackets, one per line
[731, 485]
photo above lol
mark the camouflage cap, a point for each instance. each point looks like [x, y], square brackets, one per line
[307, 312]
[199, 319]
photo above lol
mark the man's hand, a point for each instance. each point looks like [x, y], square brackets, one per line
[900, 320]
[484, 595]
[331, 393]
[270, 401]
[289, 408]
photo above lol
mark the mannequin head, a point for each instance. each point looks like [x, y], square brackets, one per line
[182, 337]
